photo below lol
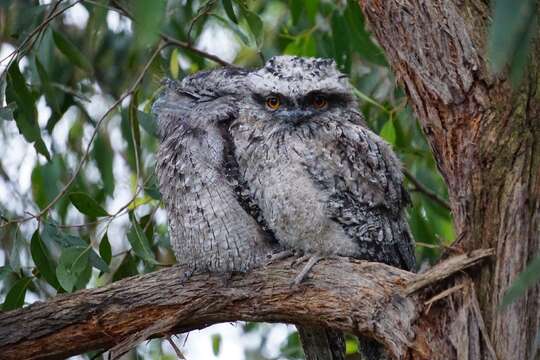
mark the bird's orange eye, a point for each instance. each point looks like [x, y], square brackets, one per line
[273, 102]
[319, 101]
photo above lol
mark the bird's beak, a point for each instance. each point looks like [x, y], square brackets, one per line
[295, 116]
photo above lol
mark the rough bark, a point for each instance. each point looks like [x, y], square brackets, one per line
[369, 299]
[486, 140]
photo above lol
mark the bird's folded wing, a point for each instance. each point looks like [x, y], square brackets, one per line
[211, 225]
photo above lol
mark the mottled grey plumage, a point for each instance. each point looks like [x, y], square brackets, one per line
[236, 174]
[210, 229]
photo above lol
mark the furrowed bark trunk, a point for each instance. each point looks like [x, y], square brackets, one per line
[486, 140]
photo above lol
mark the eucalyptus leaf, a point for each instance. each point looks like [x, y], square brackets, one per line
[128, 267]
[148, 123]
[15, 296]
[46, 86]
[74, 55]
[233, 27]
[340, 37]
[43, 260]
[25, 114]
[526, 279]
[86, 204]
[514, 26]
[105, 250]
[103, 153]
[45, 182]
[255, 25]
[6, 112]
[71, 265]
[229, 10]
[51, 233]
[216, 344]
[148, 19]
[139, 242]
[388, 132]
[5, 270]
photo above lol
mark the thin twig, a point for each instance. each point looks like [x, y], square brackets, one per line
[37, 30]
[418, 186]
[168, 39]
[186, 46]
[66, 187]
[203, 12]
[176, 349]
[442, 295]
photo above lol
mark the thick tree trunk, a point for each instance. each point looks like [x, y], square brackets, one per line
[486, 140]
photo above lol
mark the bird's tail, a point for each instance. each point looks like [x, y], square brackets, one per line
[322, 343]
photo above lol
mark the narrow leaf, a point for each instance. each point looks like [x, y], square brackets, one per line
[97, 261]
[148, 19]
[5, 271]
[174, 67]
[15, 296]
[234, 28]
[139, 242]
[43, 260]
[103, 153]
[255, 25]
[53, 234]
[72, 263]
[388, 132]
[135, 133]
[512, 28]
[6, 112]
[296, 7]
[105, 250]
[229, 10]
[73, 54]
[87, 205]
[25, 114]
[340, 37]
[128, 267]
[216, 344]
[527, 278]
[148, 123]
[45, 181]
[46, 87]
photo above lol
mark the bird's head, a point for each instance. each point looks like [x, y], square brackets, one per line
[291, 91]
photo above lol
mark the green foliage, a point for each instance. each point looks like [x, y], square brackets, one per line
[43, 261]
[526, 279]
[87, 205]
[15, 297]
[216, 344]
[73, 263]
[71, 52]
[69, 73]
[515, 24]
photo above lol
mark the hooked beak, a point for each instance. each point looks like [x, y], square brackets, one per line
[295, 116]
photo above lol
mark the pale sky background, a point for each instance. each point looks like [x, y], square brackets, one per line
[18, 158]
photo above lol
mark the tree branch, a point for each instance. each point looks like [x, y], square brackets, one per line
[122, 10]
[360, 297]
[418, 186]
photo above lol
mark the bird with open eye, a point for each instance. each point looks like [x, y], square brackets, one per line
[293, 159]
[325, 184]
